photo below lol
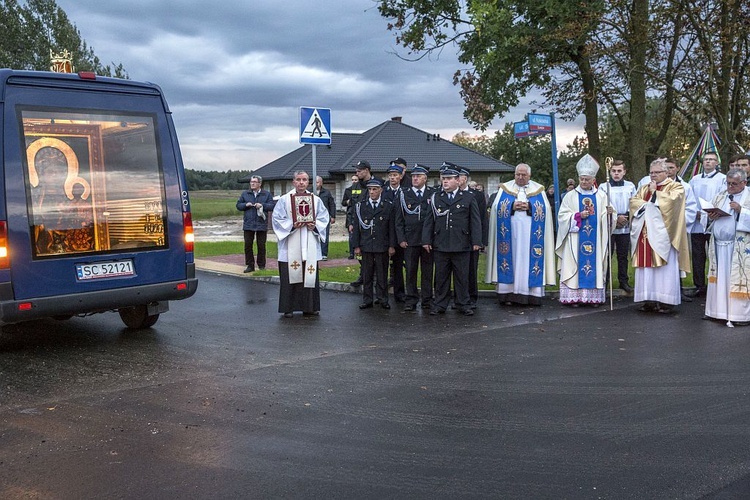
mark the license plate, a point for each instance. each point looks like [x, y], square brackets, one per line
[110, 269]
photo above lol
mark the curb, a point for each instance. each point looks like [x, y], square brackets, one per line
[235, 270]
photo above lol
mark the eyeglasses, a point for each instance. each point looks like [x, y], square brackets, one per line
[735, 183]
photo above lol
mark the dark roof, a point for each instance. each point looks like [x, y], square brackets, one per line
[379, 146]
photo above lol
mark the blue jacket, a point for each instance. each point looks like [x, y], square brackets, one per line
[251, 221]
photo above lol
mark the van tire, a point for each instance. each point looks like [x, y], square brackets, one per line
[137, 317]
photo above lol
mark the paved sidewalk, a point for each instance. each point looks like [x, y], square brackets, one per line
[235, 265]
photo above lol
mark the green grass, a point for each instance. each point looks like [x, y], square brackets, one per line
[205, 249]
[210, 204]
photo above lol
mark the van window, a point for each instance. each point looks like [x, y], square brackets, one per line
[94, 182]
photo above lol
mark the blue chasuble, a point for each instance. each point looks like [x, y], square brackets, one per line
[505, 272]
[587, 237]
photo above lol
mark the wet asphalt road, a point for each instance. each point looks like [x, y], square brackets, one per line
[224, 399]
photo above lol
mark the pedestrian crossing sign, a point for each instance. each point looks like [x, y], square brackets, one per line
[314, 125]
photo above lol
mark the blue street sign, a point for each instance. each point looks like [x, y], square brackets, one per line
[541, 124]
[520, 129]
[314, 125]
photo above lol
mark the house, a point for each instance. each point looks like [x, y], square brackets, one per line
[380, 145]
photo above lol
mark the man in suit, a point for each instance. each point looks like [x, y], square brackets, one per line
[374, 238]
[364, 174]
[411, 210]
[346, 202]
[255, 203]
[463, 185]
[327, 198]
[392, 192]
[452, 229]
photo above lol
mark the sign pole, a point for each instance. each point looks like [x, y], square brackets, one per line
[555, 176]
[314, 180]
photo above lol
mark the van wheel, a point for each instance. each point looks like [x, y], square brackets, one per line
[137, 317]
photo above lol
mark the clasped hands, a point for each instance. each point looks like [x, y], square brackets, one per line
[520, 206]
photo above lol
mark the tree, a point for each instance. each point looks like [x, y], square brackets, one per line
[714, 80]
[32, 29]
[512, 47]
[586, 57]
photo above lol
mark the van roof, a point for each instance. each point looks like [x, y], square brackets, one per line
[49, 79]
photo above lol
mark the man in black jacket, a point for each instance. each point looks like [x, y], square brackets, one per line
[411, 210]
[392, 192]
[359, 193]
[374, 238]
[463, 182]
[452, 230]
[346, 202]
[255, 203]
[327, 198]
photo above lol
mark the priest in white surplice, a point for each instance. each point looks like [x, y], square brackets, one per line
[658, 238]
[299, 250]
[521, 249]
[728, 295]
[584, 225]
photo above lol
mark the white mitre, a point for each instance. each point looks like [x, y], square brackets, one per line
[587, 166]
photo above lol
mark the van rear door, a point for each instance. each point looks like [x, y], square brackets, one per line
[94, 187]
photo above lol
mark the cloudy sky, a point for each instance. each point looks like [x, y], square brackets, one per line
[236, 73]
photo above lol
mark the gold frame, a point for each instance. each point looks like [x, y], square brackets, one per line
[54, 135]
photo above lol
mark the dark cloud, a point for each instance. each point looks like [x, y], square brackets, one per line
[235, 73]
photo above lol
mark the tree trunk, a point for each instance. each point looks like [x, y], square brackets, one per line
[639, 44]
[590, 108]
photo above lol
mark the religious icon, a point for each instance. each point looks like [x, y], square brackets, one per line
[588, 205]
[303, 208]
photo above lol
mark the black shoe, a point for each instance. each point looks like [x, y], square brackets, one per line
[377, 301]
[385, 305]
[288, 315]
[426, 306]
[410, 308]
[468, 312]
[649, 306]
[249, 269]
[626, 288]
[313, 313]
[435, 312]
[685, 298]
[356, 283]
[700, 292]
[366, 305]
[351, 257]
[262, 268]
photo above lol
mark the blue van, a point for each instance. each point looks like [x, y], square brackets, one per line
[94, 208]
